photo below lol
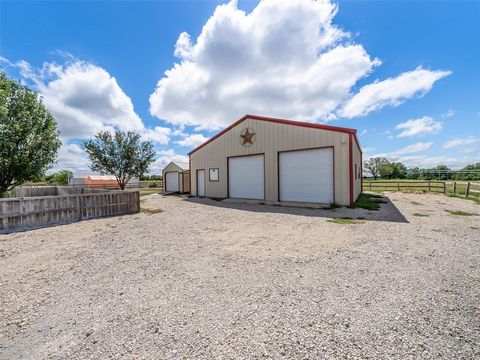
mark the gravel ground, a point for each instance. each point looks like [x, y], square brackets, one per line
[206, 279]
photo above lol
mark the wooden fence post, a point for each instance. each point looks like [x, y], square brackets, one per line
[468, 189]
[79, 208]
[398, 186]
[444, 187]
[454, 187]
[429, 186]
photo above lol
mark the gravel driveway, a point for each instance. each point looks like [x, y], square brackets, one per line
[206, 279]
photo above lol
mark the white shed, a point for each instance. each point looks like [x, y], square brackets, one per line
[176, 177]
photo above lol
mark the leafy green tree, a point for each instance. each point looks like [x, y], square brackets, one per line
[58, 178]
[413, 173]
[399, 170]
[373, 165]
[122, 154]
[151, 177]
[386, 170]
[28, 135]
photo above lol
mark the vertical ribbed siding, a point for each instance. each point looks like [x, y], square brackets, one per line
[357, 159]
[270, 138]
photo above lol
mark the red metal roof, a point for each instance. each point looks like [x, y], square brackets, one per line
[278, 121]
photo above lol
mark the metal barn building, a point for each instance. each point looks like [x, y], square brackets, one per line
[279, 161]
[176, 177]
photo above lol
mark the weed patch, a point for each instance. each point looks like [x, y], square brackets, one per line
[345, 221]
[420, 215]
[150, 211]
[460, 213]
[415, 203]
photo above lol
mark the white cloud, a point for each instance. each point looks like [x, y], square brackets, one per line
[285, 59]
[159, 135]
[449, 113]
[164, 158]
[84, 98]
[71, 157]
[392, 91]
[192, 140]
[424, 161]
[459, 142]
[468, 150]
[363, 132]
[411, 149]
[422, 126]
[183, 47]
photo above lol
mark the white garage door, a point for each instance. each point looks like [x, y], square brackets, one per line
[246, 177]
[172, 181]
[306, 176]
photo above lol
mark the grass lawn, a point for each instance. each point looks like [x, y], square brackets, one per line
[149, 191]
[460, 187]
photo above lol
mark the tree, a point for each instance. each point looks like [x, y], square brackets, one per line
[386, 170]
[399, 170]
[121, 154]
[373, 165]
[58, 178]
[413, 173]
[28, 135]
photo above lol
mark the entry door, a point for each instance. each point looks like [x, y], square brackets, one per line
[172, 181]
[201, 183]
[306, 176]
[246, 177]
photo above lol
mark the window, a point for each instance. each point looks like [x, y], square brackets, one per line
[213, 174]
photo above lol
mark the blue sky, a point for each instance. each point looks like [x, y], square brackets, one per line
[405, 74]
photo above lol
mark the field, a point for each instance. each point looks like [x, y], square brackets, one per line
[205, 279]
[455, 188]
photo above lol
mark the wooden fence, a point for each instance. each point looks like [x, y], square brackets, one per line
[431, 186]
[465, 188]
[22, 213]
[151, 184]
[451, 187]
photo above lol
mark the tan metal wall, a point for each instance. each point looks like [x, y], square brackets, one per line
[270, 138]
[357, 180]
[186, 181]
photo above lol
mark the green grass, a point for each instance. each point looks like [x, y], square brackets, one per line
[345, 221]
[150, 211]
[415, 203]
[147, 191]
[420, 215]
[460, 213]
[369, 201]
